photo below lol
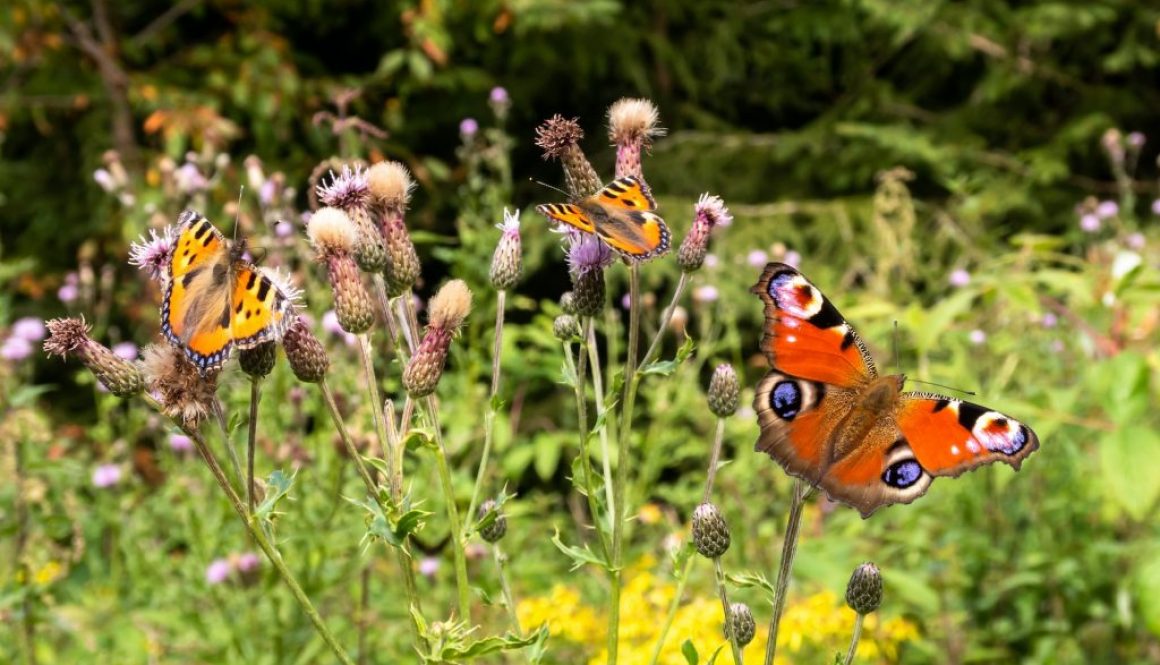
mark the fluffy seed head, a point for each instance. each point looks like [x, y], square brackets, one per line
[723, 391]
[710, 533]
[633, 121]
[739, 625]
[864, 591]
[178, 385]
[332, 232]
[390, 185]
[450, 306]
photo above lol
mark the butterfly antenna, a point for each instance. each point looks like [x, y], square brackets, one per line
[238, 212]
[940, 385]
[550, 187]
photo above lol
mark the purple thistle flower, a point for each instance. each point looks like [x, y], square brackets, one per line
[1090, 223]
[1136, 240]
[217, 571]
[189, 179]
[1107, 209]
[153, 254]
[105, 180]
[69, 291]
[706, 293]
[180, 443]
[959, 278]
[711, 210]
[711, 261]
[977, 337]
[346, 190]
[468, 127]
[588, 254]
[125, 350]
[756, 258]
[1137, 139]
[16, 349]
[428, 566]
[626, 301]
[330, 323]
[792, 259]
[267, 192]
[106, 475]
[1156, 207]
[283, 229]
[29, 328]
[248, 562]
[498, 95]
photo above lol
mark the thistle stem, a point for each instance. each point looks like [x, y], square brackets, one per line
[452, 512]
[252, 439]
[23, 571]
[396, 344]
[235, 462]
[674, 605]
[585, 460]
[508, 599]
[489, 416]
[666, 317]
[714, 458]
[598, 392]
[854, 639]
[788, 550]
[719, 571]
[619, 518]
[376, 401]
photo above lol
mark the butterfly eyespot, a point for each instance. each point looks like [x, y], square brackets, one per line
[786, 400]
[902, 474]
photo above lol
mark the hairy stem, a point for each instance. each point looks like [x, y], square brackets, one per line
[376, 401]
[598, 393]
[674, 605]
[585, 459]
[719, 571]
[489, 416]
[452, 512]
[714, 458]
[252, 439]
[508, 599]
[854, 639]
[235, 462]
[788, 550]
[666, 317]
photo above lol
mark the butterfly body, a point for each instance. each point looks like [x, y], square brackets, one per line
[621, 214]
[828, 417]
[214, 300]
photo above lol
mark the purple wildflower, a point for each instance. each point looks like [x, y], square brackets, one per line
[189, 179]
[468, 127]
[706, 293]
[67, 293]
[29, 328]
[16, 349]
[180, 443]
[153, 254]
[1137, 140]
[498, 95]
[1156, 207]
[428, 566]
[1049, 320]
[267, 191]
[588, 254]
[792, 259]
[1090, 223]
[1136, 240]
[330, 323]
[626, 301]
[218, 571]
[1107, 209]
[248, 562]
[712, 210]
[711, 261]
[959, 278]
[104, 179]
[283, 229]
[977, 337]
[756, 258]
[348, 189]
[106, 475]
[125, 350]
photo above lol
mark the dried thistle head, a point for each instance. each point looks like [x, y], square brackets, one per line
[331, 232]
[557, 134]
[185, 395]
[122, 377]
[450, 306]
[390, 185]
[634, 121]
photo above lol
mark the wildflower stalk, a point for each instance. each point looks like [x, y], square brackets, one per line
[854, 639]
[714, 457]
[666, 318]
[579, 370]
[251, 522]
[235, 461]
[788, 550]
[589, 343]
[376, 400]
[400, 348]
[501, 561]
[489, 417]
[461, 584]
[23, 570]
[719, 570]
[674, 605]
[251, 439]
[620, 517]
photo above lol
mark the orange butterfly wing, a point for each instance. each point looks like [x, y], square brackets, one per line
[627, 193]
[567, 213]
[260, 311]
[950, 436]
[192, 310]
[638, 235]
[621, 215]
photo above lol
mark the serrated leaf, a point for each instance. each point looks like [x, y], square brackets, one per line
[418, 438]
[580, 556]
[689, 652]
[488, 645]
[277, 487]
[667, 367]
[750, 580]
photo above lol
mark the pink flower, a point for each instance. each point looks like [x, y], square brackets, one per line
[588, 253]
[959, 278]
[428, 566]
[468, 127]
[792, 259]
[189, 179]
[756, 258]
[180, 443]
[153, 254]
[67, 293]
[283, 229]
[498, 95]
[1137, 139]
[29, 328]
[106, 475]
[104, 179]
[1107, 209]
[125, 350]
[1156, 207]
[706, 293]
[977, 337]
[711, 261]
[16, 349]
[1049, 320]
[218, 571]
[248, 562]
[1090, 223]
[1136, 240]
[330, 323]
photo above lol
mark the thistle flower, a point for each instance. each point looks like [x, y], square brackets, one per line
[493, 532]
[448, 308]
[1113, 144]
[499, 101]
[1106, 209]
[180, 443]
[1090, 223]
[709, 212]
[122, 377]
[468, 127]
[566, 328]
[587, 259]
[959, 278]
[559, 138]
[153, 254]
[176, 382]
[632, 125]
[390, 187]
[507, 262]
[217, 571]
[16, 348]
[305, 354]
[864, 590]
[349, 191]
[258, 361]
[106, 475]
[739, 625]
[724, 389]
[334, 236]
[710, 533]
[29, 328]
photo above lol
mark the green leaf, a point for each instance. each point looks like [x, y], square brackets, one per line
[277, 487]
[750, 580]
[1146, 584]
[418, 438]
[713, 658]
[580, 556]
[493, 644]
[689, 652]
[1130, 480]
[667, 367]
[567, 374]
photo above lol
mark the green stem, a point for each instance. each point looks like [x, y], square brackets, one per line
[376, 400]
[489, 417]
[508, 599]
[714, 458]
[585, 457]
[620, 517]
[601, 409]
[452, 513]
[788, 550]
[235, 461]
[23, 569]
[666, 318]
[719, 571]
[397, 345]
[854, 640]
[674, 605]
[252, 439]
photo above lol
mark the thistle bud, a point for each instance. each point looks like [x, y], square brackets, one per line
[306, 355]
[587, 259]
[632, 125]
[709, 212]
[493, 532]
[122, 377]
[350, 192]
[559, 138]
[390, 187]
[568, 303]
[566, 328]
[507, 262]
[723, 391]
[739, 625]
[449, 308]
[710, 533]
[864, 591]
[334, 236]
[259, 360]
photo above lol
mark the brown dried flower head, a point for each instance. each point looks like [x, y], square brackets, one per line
[331, 232]
[176, 383]
[390, 185]
[122, 377]
[634, 121]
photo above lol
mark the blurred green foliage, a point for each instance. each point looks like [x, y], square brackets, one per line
[887, 143]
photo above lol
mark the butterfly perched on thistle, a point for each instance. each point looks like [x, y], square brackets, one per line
[621, 214]
[215, 300]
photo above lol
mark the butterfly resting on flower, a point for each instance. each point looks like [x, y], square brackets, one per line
[216, 301]
[621, 214]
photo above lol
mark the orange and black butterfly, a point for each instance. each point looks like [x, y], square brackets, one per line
[621, 215]
[216, 301]
[828, 418]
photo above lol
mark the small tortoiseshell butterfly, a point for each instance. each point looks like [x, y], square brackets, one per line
[621, 215]
[828, 418]
[214, 300]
